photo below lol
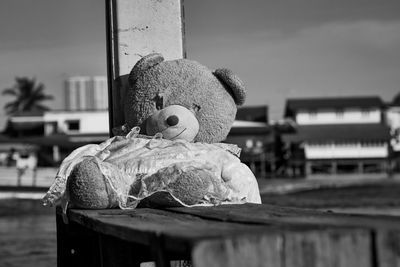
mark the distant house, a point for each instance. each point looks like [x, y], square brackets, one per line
[25, 124]
[252, 114]
[80, 122]
[252, 133]
[337, 135]
[393, 121]
[57, 132]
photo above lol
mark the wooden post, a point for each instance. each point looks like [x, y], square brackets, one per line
[263, 159]
[76, 246]
[334, 167]
[360, 166]
[308, 168]
[253, 164]
[136, 28]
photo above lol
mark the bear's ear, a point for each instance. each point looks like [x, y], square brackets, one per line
[145, 63]
[234, 83]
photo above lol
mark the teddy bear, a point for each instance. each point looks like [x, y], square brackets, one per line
[183, 94]
[169, 152]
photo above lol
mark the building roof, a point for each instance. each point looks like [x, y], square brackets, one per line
[27, 117]
[340, 133]
[293, 105]
[62, 140]
[253, 113]
[27, 120]
[35, 113]
[241, 124]
[257, 130]
[56, 111]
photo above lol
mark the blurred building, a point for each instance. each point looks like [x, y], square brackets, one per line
[393, 121]
[86, 93]
[57, 132]
[251, 132]
[25, 124]
[337, 135]
[75, 122]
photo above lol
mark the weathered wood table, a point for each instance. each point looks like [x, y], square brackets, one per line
[228, 235]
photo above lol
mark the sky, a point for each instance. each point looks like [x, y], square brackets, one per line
[280, 49]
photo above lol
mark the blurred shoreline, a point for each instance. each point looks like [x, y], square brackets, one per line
[45, 177]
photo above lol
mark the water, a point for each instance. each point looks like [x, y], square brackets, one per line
[27, 234]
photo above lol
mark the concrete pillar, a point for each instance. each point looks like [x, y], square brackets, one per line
[136, 28]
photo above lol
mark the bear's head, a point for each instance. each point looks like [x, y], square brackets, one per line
[182, 99]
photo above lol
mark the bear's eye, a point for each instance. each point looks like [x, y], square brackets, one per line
[195, 107]
[158, 99]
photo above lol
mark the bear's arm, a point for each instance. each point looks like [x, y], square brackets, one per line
[241, 180]
[57, 189]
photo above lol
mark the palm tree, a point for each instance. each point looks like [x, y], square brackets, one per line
[28, 96]
[396, 100]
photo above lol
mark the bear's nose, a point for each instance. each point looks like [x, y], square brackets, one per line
[172, 120]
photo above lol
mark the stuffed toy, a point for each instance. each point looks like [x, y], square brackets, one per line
[184, 92]
[168, 152]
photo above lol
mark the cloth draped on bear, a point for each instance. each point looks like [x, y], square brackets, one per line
[142, 170]
[194, 108]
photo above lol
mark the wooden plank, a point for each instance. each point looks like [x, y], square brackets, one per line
[176, 231]
[338, 248]
[136, 28]
[276, 215]
[264, 250]
[181, 229]
[324, 248]
[387, 248]
[173, 235]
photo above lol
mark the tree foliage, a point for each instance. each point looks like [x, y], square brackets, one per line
[28, 96]
[396, 100]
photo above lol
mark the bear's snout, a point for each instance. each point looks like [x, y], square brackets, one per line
[173, 122]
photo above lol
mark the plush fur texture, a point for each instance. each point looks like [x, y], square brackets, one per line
[190, 186]
[174, 122]
[87, 187]
[212, 97]
[155, 84]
